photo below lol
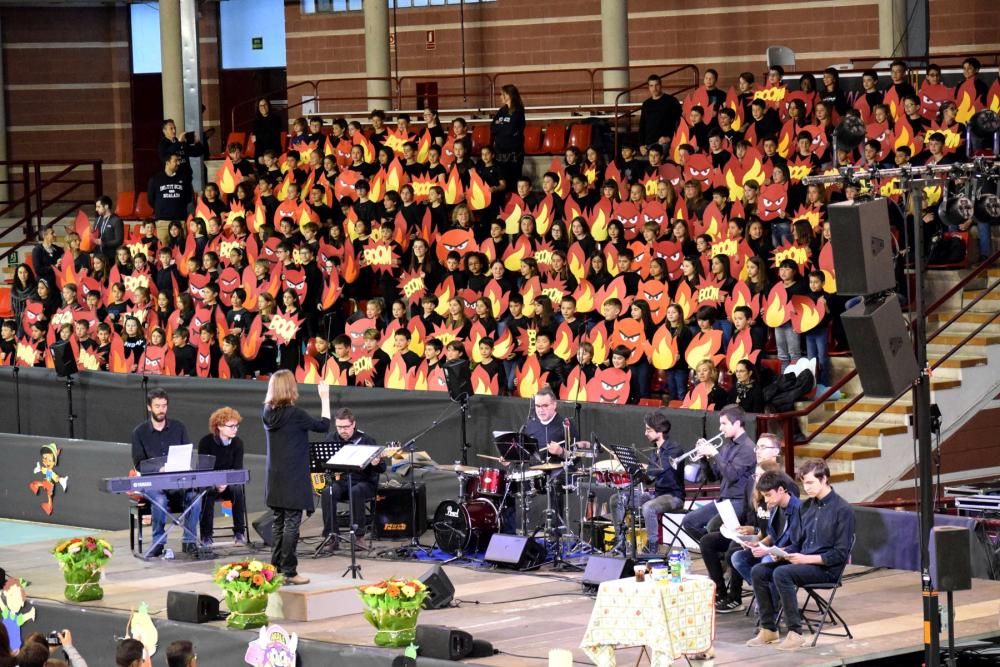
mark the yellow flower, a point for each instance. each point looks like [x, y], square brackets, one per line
[408, 591]
[374, 590]
[256, 566]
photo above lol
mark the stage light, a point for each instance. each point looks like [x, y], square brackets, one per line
[987, 209]
[955, 210]
[985, 124]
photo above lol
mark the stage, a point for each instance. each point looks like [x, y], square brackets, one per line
[522, 614]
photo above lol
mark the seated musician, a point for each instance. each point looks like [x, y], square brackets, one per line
[668, 484]
[227, 448]
[152, 439]
[549, 429]
[733, 462]
[359, 486]
[818, 552]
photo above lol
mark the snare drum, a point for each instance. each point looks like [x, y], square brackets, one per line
[491, 482]
[465, 527]
[610, 473]
[533, 481]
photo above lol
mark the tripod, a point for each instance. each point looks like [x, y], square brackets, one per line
[70, 416]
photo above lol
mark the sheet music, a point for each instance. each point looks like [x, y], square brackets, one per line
[178, 458]
[354, 455]
[728, 514]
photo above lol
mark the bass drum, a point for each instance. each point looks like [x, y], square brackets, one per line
[465, 527]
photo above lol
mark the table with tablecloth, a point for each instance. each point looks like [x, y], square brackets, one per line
[670, 618]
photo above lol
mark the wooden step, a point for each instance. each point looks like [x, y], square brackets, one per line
[953, 339]
[959, 360]
[971, 317]
[849, 452]
[870, 431]
[323, 597]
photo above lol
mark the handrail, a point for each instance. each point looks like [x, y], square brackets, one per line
[35, 200]
[982, 55]
[786, 417]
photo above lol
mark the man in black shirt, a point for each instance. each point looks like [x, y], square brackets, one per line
[817, 554]
[45, 256]
[152, 439]
[169, 195]
[903, 88]
[185, 355]
[668, 483]
[362, 485]
[659, 117]
[227, 448]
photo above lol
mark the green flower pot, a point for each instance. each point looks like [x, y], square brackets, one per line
[394, 627]
[246, 613]
[82, 585]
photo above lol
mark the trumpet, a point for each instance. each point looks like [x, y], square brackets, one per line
[692, 456]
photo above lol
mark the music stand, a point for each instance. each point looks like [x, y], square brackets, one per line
[319, 453]
[350, 459]
[629, 460]
[519, 450]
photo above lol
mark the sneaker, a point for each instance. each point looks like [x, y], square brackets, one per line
[763, 638]
[189, 548]
[156, 551]
[207, 541]
[727, 606]
[793, 642]
[240, 539]
[296, 580]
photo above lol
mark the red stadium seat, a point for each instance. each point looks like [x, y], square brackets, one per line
[284, 141]
[234, 137]
[143, 211]
[773, 364]
[250, 149]
[579, 135]
[481, 136]
[5, 309]
[651, 402]
[555, 138]
[532, 139]
[125, 206]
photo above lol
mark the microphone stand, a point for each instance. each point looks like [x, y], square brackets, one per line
[70, 417]
[17, 396]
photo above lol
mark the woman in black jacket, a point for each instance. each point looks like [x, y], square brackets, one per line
[267, 128]
[287, 487]
[23, 289]
[508, 135]
[747, 392]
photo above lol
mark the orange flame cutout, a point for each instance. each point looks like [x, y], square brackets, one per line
[478, 195]
[396, 176]
[685, 299]
[806, 313]
[741, 296]
[418, 337]
[331, 290]
[117, 363]
[697, 398]
[454, 192]
[81, 225]
[529, 290]
[483, 383]
[543, 215]
[516, 252]
[511, 214]
[598, 337]
[445, 292]
[397, 376]
[333, 375]
[705, 345]
[530, 377]
[565, 344]
[350, 268]
[577, 261]
[575, 387]
[584, 296]
[424, 147]
[827, 267]
[308, 373]
[226, 177]
[366, 146]
[740, 348]
[599, 219]
[664, 348]
[775, 308]
[252, 339]
[504, 345]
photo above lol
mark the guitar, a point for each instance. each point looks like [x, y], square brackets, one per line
[320, 480]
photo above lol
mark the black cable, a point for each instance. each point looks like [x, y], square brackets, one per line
[536, 657]
[534, 597]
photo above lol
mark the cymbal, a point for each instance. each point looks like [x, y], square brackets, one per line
[547, 466]
[487, 456]
[463, 470]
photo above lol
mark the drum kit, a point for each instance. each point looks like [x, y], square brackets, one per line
[490, 498]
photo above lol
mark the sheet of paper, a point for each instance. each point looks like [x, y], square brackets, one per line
[728, 514]
[777, 552]
[354, 455]
[178, 458]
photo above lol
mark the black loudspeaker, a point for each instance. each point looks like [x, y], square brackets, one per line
[513, 551]
[440, 590]
[883, 353]
[64, 361]
[394, 511]
[437, 641]
[953, 562]
[191, 607]
[263, 525]
[862, 247]
[606, 568]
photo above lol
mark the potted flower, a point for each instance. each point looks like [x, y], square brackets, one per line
[246, 585]
[392, 606]
[82, 559]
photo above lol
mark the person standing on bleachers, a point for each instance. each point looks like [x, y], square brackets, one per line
[109, 228]
[660, 115]
[508, 135]
[169, 195]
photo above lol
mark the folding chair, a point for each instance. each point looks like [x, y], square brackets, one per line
[677, 525]
[824, 606]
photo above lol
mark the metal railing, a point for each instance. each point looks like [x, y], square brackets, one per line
[625, 115]
[39, 196]
[787, 419]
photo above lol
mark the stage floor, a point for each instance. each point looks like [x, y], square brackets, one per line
[525, 615]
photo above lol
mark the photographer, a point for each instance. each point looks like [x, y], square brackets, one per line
[63, 639]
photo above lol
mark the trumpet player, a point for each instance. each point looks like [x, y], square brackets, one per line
[733, 462]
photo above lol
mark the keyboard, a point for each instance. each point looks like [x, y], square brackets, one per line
[173, 481]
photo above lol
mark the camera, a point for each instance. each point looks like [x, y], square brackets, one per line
[53, 638]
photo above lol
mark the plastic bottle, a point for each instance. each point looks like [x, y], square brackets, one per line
[686, 563]
[676, 566]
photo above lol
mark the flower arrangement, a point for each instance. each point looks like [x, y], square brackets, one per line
[246, 585]
[392, 607]
[81, 560]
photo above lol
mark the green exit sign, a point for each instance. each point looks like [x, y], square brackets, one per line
[257, 43]
[12, 259]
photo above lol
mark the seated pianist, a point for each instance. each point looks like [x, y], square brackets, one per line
[152, 439]
[227, 448]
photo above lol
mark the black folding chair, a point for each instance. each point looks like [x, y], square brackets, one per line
[824, 606]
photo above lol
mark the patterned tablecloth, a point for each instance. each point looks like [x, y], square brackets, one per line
[671, 619]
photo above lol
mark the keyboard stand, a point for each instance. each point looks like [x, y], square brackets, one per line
[172, 520]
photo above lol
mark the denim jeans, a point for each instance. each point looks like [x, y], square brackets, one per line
[788, 344]
[786, 578]
[651, 506]
[780, 232]
[817, 342]
[286, 538]
[677, 381]
[158, 500]
[743, 561]
[984, 238]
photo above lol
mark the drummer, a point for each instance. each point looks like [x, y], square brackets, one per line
[549, 429]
